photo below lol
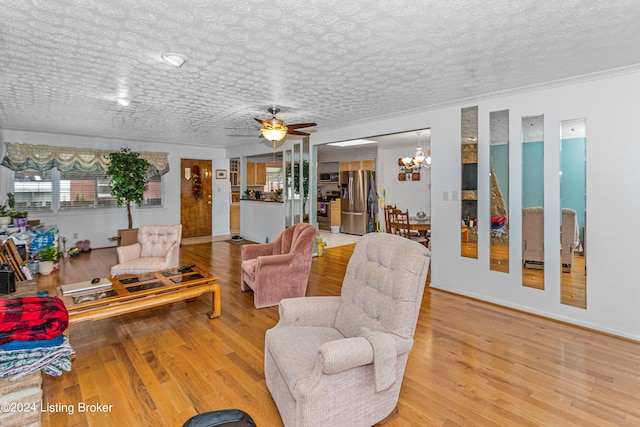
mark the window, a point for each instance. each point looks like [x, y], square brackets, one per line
[274, 179]
[37, 191]
[33, 190]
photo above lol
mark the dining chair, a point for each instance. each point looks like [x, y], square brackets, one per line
[401, 226]
[387, 220]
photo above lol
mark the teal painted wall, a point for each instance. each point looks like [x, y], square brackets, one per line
[573, 183]
[532, 174]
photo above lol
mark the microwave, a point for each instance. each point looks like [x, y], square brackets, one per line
[329, 177]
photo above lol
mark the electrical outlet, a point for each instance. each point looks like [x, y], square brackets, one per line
[454, 196]
[75, 235]
[445, 196]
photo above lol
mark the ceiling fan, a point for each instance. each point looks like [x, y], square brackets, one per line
[274, 129]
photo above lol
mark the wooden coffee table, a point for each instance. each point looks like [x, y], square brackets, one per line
[134, 292]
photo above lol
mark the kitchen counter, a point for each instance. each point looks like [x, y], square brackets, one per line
[261, 201]
[261, 219]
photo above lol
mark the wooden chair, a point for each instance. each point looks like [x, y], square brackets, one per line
[401, 226]
[387, 220]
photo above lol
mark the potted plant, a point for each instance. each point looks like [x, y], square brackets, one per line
[5, 218]
[19, 217]
[48, 257]
[295, 181]
[128, 173]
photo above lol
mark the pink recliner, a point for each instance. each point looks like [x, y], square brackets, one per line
[279, 269]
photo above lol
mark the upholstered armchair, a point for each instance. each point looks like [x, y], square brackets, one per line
[158, 248]
[533, 237]
[340, 360]
[570, 238]
[279, 269]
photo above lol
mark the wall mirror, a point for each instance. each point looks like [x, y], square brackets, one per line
[499, 190]
[533, 201]
[573, 201]
[296, 188]
[287, 192]
[469, 189]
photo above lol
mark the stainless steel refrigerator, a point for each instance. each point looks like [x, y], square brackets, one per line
[354, 186]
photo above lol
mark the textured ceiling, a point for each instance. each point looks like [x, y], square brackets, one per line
[64, 62]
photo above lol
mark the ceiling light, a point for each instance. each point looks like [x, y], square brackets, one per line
[175, 59]
[123, 101]
[419, 160]
[274, 135]
[353, 142]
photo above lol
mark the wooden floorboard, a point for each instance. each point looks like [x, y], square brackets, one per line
[473, 363]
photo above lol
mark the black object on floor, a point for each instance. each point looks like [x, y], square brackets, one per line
[224, 418]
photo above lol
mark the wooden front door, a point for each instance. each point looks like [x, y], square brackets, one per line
[195, 210]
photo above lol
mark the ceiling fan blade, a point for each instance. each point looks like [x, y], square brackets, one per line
[301, 125]
[296, 132]
[262, 123]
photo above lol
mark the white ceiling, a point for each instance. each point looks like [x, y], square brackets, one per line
[334, 62]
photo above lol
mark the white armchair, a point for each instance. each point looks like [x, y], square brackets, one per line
[158, 248]
[339, 361]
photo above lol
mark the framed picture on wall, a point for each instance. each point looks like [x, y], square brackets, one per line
[221, 174]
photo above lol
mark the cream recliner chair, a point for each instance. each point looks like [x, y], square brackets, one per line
[158, 248]
[533, 237]
[340, 360]
[570, 238]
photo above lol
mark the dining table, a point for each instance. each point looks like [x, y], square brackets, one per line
[423, 225]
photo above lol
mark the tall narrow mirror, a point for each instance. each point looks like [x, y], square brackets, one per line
[499, 190]
[469, 190]
[573, 201]
[287, 160]
[533, 201]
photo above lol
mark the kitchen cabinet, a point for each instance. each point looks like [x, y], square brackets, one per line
[234, 217]
[335, 212]
[256, 173]
[234, 172]
[358, 165]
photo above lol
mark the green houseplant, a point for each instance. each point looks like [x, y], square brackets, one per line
[128, 173]
[5, 216]
[48, 257]
[295, 180]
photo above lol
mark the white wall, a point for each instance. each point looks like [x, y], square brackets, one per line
[609, 105]
[413, 196]
[98, 226]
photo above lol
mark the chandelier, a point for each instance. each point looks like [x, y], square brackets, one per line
[419, 160]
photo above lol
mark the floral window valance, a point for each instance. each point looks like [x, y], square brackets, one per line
[19, 157]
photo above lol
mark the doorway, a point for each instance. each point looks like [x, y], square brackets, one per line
[195, 197]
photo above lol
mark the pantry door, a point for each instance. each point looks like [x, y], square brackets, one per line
[195, 197]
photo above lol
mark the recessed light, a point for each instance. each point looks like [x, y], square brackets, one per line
[353, 142]
[123, 101]
[175, 59]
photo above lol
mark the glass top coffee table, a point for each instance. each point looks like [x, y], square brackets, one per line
[133, 292]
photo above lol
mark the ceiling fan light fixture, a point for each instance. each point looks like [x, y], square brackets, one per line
[175, 59]
[274, 134]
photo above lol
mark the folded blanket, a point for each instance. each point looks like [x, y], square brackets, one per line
[32, 318]
[52, 360]
[26, 345]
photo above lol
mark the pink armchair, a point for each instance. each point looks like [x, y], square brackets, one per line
[158, 248]
[279, 269]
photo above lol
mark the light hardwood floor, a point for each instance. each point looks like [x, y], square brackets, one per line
[473, 363]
